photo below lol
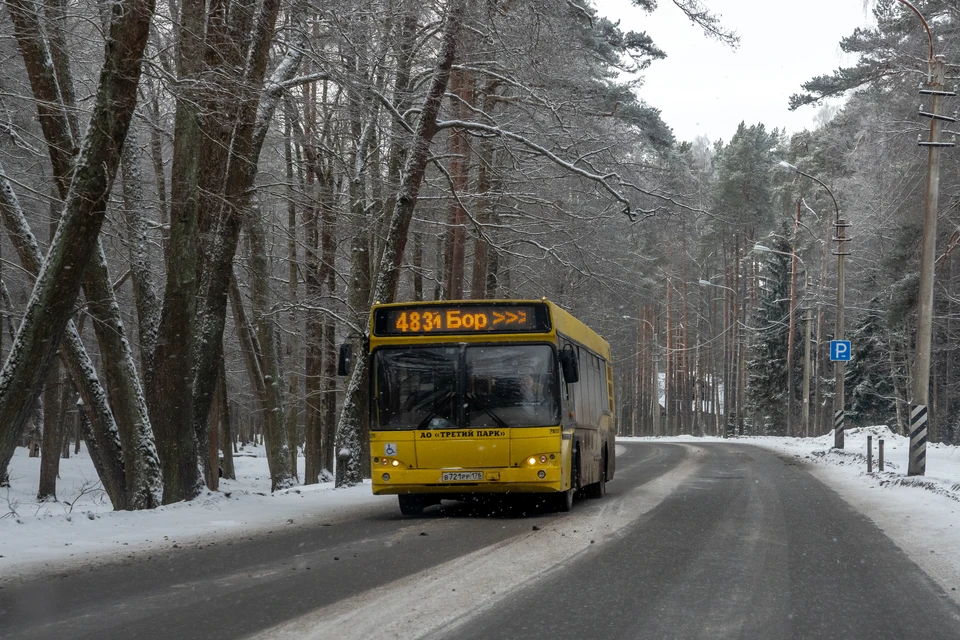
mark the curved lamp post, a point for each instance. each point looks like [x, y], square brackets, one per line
[737, 354]
[838, 366]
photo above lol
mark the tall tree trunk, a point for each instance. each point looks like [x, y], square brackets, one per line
[213, 447]
[669, 389]
[226, 423]
[403, 99]
[455, 252]
[352, 415]
[328, 386]
[50, 79]
[293, 342]
[246, 142]
[50, 446]
[314, 189]
[278, 454]
[481, 247]
[170, 388]
[145, 296]
[418, 266]
[159, 173]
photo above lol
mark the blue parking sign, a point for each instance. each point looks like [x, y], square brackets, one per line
[840, 350]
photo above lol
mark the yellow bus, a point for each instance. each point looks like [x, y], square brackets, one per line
[496, 396]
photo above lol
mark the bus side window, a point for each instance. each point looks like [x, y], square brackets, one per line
[584, 396]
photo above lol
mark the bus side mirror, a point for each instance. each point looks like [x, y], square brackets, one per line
[570, 366]
[346, 360]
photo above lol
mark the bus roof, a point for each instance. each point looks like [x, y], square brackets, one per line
[564, 323]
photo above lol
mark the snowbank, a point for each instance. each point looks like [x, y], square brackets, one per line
[82, 526]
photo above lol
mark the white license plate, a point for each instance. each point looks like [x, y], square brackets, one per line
[460, 476]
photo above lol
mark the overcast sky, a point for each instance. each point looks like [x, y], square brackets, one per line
[704, 88]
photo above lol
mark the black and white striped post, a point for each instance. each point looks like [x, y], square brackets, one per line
[918, 440]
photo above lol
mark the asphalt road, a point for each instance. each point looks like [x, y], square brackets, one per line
[691, 541]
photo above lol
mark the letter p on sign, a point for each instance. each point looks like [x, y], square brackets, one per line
[840, 350]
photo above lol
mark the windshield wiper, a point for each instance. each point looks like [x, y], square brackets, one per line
[425, 423]
[476, 401]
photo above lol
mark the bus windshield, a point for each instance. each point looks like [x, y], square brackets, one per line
[466, 386]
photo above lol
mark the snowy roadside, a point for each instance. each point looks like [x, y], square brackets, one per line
[921, 514]
[37, 537]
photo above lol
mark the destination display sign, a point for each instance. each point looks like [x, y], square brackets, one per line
[461, 318]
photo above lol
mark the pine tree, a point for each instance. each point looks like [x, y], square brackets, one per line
[766, 369]
[868, 373]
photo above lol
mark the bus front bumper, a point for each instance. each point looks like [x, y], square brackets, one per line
[393, 481]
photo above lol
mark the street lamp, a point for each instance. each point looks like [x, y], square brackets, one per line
[737, 355]
[759, 248]
[838, 366]
[791, 329]
[646, 386]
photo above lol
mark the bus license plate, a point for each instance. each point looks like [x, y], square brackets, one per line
[459, 476]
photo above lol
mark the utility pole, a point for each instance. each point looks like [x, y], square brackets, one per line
[839, 412]
[921, 368]
[840, 238]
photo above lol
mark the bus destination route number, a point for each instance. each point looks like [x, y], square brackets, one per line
[465, 319]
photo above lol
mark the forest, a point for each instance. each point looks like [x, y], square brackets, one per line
[201, 201]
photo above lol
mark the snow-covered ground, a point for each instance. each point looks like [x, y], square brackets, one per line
[83, 526]
[921, 515]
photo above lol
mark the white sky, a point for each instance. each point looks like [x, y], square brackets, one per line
[704, 88]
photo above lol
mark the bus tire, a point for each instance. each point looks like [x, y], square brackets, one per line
[411, 505]
[564, 500]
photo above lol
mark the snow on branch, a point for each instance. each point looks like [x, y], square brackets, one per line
[602, 180]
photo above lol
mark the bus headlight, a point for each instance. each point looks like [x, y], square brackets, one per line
[531, 460]
[396, 463]
[543, 459]
[541, 474]
[386, 477]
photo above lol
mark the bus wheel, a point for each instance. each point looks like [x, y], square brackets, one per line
[564, 501]
[411, 505]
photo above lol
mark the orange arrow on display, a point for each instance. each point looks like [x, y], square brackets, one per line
[511, 317]
[497, 318]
